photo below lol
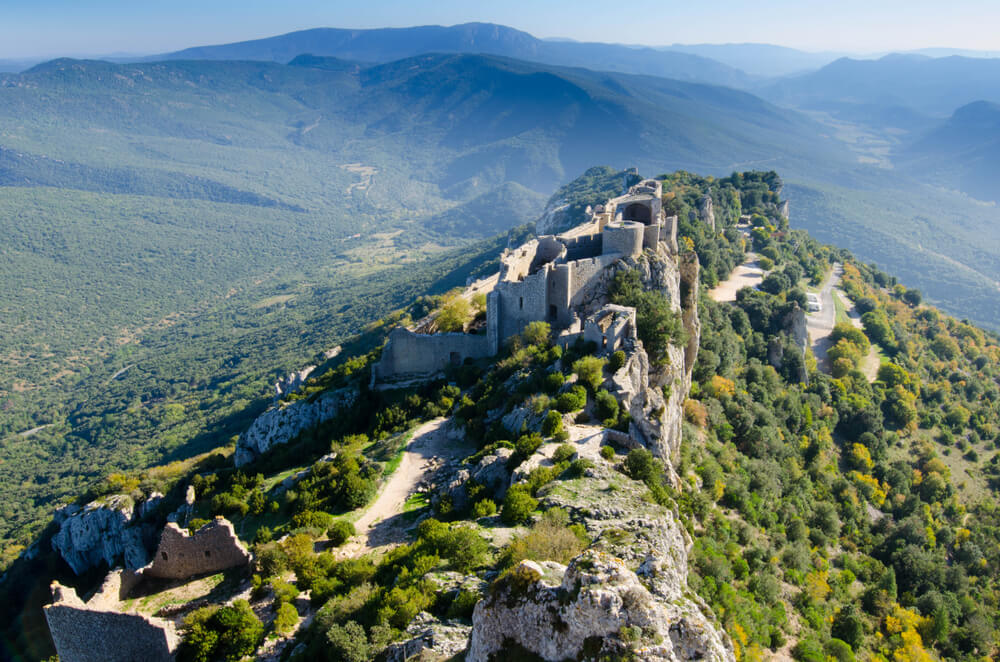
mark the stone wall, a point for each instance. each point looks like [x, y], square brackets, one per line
[96, 633]
[408, 353]
[212, 548]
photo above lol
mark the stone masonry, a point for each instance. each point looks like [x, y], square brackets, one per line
[96, 632]
[212, 548]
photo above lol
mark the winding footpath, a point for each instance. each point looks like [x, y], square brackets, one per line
[433, 445]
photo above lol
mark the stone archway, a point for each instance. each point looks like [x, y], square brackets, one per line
[637, 212]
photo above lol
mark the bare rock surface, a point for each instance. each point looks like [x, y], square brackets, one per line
[283, 422]
[101, 532]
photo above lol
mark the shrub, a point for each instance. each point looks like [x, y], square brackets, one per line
[552, 538]
[608, 453]
[572, 400]
[617, 361]
[340, 532]
[564, 453]
[590, 370]
[285, 619]
[455, 313]
[484, 508]
[554, 381]
[553, 424]
[220, 633]
[517, 505]
[607, 406]
[348, 642]
[537, 333]
[640, 464]
[463, 605]
[578, 467]
[283, 591]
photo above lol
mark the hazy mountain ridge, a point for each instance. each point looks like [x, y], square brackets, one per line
[388, 44]
[963, 152]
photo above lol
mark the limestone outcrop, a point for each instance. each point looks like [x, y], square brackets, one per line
[490, 472]
[430, 639]
[632, 581]
[582, 612]
[103, 531]
[97, 632]
[213, 547]
[285, 421]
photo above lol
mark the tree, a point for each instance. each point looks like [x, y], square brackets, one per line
[553, 424]
[348, 642]
[913, 297]
[454, 314]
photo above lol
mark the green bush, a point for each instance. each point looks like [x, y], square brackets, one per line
[607, 407]
[578, 467]
[563, 453]
[484, 508]
[554, 381]
[553, 424]
[286, 618]
[463, 605]
[590, 370]
[572, 400]
[517, 505]
[340, 532]
[608, 452]
[348, 642]
[617, 361]
[227, 633]
[537, 333]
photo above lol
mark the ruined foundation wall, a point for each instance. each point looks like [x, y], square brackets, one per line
[212, 548]
[82, 633]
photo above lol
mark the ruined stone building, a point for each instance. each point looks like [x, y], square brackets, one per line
[547, 279]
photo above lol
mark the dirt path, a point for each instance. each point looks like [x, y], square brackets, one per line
[748, 274]
[871, 363]
[432, 445]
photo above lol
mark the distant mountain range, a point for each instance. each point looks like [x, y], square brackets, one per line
[389, 44]
[921, 84]
[962, 153]
[763, 60]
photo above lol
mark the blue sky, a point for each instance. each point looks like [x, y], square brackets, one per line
[76, 27]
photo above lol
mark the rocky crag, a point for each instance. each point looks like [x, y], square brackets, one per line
[285, 421]
[104, 531]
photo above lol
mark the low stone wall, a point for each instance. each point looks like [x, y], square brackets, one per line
[84, 633]
[212, 548]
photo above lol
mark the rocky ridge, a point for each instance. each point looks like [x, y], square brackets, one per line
[103, 531]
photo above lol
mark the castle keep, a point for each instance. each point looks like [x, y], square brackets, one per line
[547, 279]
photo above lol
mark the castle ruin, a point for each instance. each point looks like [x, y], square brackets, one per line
[547, 279]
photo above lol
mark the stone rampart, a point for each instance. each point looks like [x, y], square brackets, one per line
[96, 633]
[212, 548]
[624, 238]
[408, 353]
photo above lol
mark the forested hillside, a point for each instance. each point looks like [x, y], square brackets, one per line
[835, 513]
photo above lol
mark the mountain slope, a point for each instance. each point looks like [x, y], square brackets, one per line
[963, 152]
[765, 60]
[387, 44]
[933, 86]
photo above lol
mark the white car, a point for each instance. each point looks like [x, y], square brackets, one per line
[813, 304]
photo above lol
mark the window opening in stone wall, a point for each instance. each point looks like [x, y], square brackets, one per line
[164, 555]
[521, 301]
[605, 343]
[455, 358]
[553, 312]
[208, 553]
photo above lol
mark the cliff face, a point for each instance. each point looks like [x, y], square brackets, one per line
[101, 532]
[283, 422]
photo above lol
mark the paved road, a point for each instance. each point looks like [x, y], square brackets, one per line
[820, 325]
